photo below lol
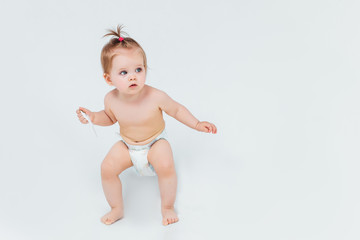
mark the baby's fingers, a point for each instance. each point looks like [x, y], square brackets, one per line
[81, 117]
[207, 127]
[85, 110]
[83, 120]
[210, 128]
[214, 129]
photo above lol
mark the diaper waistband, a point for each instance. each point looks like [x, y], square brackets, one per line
[162, 135]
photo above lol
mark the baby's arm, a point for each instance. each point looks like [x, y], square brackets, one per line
[183, 115]
[102, 118]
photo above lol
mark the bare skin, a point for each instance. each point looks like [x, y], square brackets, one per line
[139, 113]
[115, 162]
[161, 157]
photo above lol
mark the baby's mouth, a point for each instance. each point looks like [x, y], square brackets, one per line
[133, 85]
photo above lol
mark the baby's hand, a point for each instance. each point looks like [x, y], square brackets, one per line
[206, 127]
[87, 112]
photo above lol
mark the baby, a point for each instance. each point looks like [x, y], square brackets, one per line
[137, 108]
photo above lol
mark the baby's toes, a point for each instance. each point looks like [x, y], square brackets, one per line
[108, 221]
[165, 222]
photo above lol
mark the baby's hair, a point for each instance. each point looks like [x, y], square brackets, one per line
[118, 41]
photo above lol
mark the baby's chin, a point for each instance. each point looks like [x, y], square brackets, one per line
[132, 90]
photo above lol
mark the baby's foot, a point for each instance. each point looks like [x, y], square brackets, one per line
[112, 216]
[169, 216]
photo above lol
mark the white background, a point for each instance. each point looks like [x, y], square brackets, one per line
[280, 79]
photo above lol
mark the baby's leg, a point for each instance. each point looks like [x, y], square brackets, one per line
[161, 157]
[116, 161]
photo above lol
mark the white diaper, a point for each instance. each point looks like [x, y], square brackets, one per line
[138, 155]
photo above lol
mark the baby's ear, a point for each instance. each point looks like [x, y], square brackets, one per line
[107, 79]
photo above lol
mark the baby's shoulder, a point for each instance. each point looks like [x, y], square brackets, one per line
[110, 95]
[154, 92]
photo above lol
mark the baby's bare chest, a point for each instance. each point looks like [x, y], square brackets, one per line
[137, 114]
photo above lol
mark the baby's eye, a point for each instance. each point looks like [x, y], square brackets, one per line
[138, 70]
[123, 73]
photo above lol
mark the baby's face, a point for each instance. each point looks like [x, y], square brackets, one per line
[128, 72]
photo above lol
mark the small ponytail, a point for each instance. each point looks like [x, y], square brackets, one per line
[119, 34]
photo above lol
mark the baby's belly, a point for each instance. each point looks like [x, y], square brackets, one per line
[141, 135]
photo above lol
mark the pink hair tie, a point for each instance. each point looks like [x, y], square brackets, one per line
[120, 39]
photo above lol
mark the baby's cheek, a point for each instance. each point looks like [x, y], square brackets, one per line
[122, 85]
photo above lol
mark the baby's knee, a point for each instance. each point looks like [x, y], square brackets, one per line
[165, 168]
[107, 170]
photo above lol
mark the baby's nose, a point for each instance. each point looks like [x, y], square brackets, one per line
[132, 77]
